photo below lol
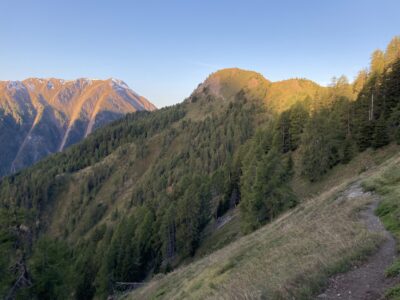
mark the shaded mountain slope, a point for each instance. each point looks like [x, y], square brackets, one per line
[293, 256]
[171, 167]
[42, 116]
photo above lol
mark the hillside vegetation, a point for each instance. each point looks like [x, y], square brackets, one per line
[291, 257]
[387, 184]
[139, 197]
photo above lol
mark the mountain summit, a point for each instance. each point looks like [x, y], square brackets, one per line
[278, 95]
[43, 116]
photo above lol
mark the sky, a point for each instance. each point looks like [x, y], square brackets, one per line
[164, 48]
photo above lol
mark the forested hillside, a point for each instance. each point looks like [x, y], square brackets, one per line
[133, 199]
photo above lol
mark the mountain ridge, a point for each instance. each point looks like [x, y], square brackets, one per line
[144, 195]
[277, 95]
[45, 115]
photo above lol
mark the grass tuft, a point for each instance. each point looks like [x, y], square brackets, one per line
[394, 269]
[393, 293]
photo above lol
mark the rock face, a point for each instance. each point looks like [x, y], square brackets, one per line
[42, 116]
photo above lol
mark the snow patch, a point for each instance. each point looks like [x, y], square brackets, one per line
[119, 83]
[50, 85]
[121, 86]
[15, 85]
[31, 86]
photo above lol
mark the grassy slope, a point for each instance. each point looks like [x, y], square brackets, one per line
[293, 255]
[74, 214]
[283, 94]
[278, 96]
[387, 184]
[289, 257]
[115, 192]
[127, 170]
[216, 239]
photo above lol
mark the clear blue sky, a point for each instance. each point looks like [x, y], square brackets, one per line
[164, 48]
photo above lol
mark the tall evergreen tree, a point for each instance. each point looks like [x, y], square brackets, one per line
[381, 137]
[298, 118]
[392, 53]
[316, 147]
[265, 189]
[377, 62]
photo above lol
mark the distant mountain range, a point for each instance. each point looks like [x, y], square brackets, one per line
[43, 116]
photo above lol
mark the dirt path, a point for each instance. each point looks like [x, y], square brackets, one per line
[366, 281]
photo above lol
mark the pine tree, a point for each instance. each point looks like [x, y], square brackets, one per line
[348, 150]
[363, 119]
[377, 62]
[265, 192]
[381, 137]
[188, 228]
[392, 88]
[298, 118]
[282, 138]
[50, 267]
[168, 233]
[360, 81]
[392, 53]
[192, 213]
[315, 154]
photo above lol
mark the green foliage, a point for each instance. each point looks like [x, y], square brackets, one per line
[290, 127]
[387, 184]
[50, 269]
[298, 118]
[12, 236]
[123, 258]
[130, 250]
[394, 269]
[327, 139]
[393, 293]
[85, 271]
[381, 137]
[389, 209]
[349, 149]
[136, 196]
[376, 109]
[264, 184]
[36, 186]
[319, 151]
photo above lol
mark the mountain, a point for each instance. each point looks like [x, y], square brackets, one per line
[157, 177]
[293, 256]
[43, 116]
[278, 96]
[239, 174]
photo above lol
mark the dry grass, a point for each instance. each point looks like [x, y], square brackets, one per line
[292, 257]
[289, 258]
[214, 239]
[386, 182]
[370, 159]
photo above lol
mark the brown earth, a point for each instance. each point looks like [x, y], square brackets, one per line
[366, 281]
